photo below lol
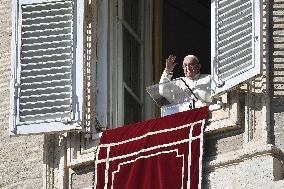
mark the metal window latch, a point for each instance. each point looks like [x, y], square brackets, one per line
[16, 92]
[220, 83]
[65, 120]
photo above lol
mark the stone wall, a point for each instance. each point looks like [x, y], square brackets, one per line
[252, 157]
[258, 172]
[21, 157]
[277, 76]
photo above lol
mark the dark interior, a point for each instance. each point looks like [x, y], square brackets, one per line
[186, 30]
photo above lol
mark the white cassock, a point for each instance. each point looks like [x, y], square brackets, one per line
[200, 86]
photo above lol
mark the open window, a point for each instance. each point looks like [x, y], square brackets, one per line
[47, 67]
[226, 37]
[186, 30]
[235, 37]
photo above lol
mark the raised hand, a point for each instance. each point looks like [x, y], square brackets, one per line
[170, 63]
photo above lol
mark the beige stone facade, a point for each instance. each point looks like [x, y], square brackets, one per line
[244, 143]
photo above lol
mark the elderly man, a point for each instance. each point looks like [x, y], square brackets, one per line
[198, 83]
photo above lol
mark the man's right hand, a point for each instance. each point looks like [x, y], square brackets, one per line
[170, 63]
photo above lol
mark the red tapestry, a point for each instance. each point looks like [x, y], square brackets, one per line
[162, 153]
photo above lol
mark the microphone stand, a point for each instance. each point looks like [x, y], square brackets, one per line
[195, 97]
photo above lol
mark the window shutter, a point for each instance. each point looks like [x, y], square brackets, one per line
[235, 43]
[47, 71]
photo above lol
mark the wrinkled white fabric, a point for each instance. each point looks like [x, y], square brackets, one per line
[200, 87]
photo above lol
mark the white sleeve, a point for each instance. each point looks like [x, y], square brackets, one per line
[166, 77]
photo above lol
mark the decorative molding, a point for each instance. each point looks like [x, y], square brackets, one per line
[237, 156]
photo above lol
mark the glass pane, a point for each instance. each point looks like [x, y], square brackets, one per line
[131, 14]
[131, 62]
[132, 110]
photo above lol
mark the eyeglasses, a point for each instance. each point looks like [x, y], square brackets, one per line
[190, 66]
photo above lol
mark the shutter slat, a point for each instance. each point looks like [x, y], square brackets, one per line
[46, 49]
[232, 53]
[40, 12]
[45, 95]
[46, 30]
[44, 63]
[45, 116]
[52, 20]
[228, 60]
[228, 46]
[236, 22]
[53, 3]
[46, 69]
[43, 89]
[64, 90]
[25, 27]
[226, 19]
[45, 56]
[45, 104]
[228, 5]
[47, 34]
[224, 67]
[45, 6]
[46, 101]
[46, 43]
[233, 72]
[47, 52]
[44, 18]
[44, 108]
[237, 28]
[34, 27]
[55, 114]
[45, 75]
[45, 82]
[232, 10]
[235, 35]
[45, 111]
[222, 2]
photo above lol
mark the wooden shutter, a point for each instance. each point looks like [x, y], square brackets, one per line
[47, 69]
[235, 43]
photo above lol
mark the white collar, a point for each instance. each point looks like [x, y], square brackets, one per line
[195, 78]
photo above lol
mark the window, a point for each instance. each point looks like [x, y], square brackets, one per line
[186, 30]
[123, 62]
[235, 55]
[129, 62]
[47, 69]
[131, 21]
[235, 38]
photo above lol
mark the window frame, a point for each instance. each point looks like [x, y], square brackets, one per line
[115, 69]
